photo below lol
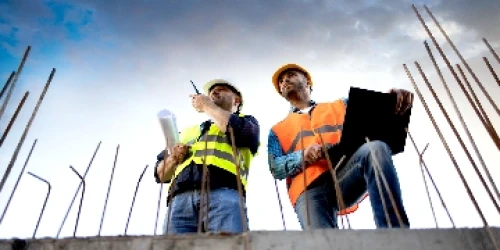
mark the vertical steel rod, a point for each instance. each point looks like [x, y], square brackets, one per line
[78, 189]
[109, 189]
[457, 135]
[448, 150]
[204, 193]
[17, 182]
[7, 84]
[14, 117]
[82, 180]
[14, 81]
[271, 163]
[44, 203]
[133, 199]
[26, 130]
[465, 127]
[460, 56]
[492, 71]
[308, 216]
[491, 50]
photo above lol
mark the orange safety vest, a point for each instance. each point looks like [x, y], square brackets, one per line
[325, 118]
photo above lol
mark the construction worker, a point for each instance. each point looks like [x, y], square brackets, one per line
[356, 177]
[222, 104]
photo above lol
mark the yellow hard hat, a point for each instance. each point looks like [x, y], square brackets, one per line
[212, 83]
[287, 67]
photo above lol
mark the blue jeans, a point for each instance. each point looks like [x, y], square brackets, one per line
[355, 178]
[223, 215]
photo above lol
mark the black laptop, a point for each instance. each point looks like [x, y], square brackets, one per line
[371, 114]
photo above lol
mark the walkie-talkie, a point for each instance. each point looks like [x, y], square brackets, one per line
[195, 88]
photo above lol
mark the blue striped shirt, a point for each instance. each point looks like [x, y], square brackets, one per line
[284, 165]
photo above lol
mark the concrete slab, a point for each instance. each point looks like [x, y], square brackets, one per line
[380, 239]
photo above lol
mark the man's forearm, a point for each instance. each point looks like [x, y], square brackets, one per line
[165, 170]
[218, 115]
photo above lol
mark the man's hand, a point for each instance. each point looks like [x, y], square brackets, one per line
[200, 101]
[312, 154]
[404, 100]
[179, 153]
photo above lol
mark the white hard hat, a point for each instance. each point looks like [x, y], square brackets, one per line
[210, 84]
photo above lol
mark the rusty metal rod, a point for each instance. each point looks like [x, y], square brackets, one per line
[457, 135]
[424, 165]
[26, 130]
[17, 182]
[169, 195]
[483, 116]
[238, 181]
[378, 168]
[445, 144]
[464, 126]
[109, 190]
[461, 58]
[237, 162]
[7, 84]
[271, 163]
[14, 117]
[495, 55]
[133, 199]
[204, 193]
[14, 81]
[303, 163]
[492, 71]
[44, 203]
[445, 58]
[82, 180]
[158, 206]
[422, 171]
[77, 190]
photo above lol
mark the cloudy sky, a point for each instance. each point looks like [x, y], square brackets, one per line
[120, 62]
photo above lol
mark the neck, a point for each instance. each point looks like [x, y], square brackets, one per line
[300, 104]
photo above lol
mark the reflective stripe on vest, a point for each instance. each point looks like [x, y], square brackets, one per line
[219, 152]
[325, 119]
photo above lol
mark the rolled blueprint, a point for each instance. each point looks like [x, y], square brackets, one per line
[168, 125]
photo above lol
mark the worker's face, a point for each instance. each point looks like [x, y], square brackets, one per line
[292, 82]
[223, 97]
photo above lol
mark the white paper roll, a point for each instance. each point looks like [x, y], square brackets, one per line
[168, 125]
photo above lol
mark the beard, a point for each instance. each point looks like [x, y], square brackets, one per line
[223, 103]
[293, 91]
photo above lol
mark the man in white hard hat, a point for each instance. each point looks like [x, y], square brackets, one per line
[221, 102]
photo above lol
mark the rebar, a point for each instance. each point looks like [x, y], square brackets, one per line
[471, 72]
[14, 117]
[448, 150]
[338, 191]
[204, 193]
[14, 81]
[44, 203]
[480, 112]
[457, 135]
[26, 130]
[237, 162]
[465, 127]
[424, 165]
[82, 180]
[109, 190]
[133, 199]
[271, 163]
[492, 71]
[17, 182]
[307, 225]
[7, 84]
[377, 166]
[77, 190]
[491, 50]
[169, 195]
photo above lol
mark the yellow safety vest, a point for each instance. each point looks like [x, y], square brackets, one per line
[219, 151]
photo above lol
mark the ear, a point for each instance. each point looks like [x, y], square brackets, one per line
[237, 100]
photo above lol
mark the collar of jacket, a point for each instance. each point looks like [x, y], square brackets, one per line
[296, 110]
